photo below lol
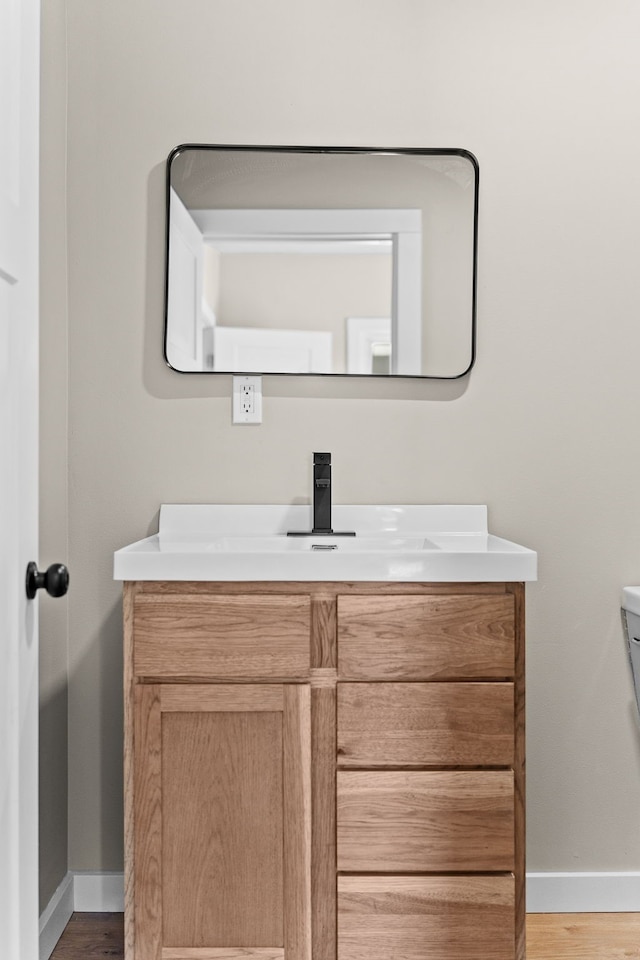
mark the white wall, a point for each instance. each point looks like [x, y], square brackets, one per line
[545, 94]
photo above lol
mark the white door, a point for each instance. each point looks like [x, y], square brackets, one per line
[19, 81]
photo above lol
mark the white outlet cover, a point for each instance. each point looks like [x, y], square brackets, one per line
[240, 415]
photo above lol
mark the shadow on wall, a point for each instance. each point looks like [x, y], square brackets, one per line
[111, 734]
[53, 792]
[96, 763]
[166, 384]
[633, 712]
[633, 706]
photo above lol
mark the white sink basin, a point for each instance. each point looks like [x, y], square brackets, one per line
[285, 544]
[392, 543]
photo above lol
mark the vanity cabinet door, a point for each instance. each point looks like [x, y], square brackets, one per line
[221, 857]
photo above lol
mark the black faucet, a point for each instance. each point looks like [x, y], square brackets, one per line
[321, 502]
[322, 493]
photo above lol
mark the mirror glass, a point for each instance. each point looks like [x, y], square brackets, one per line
[339, 261]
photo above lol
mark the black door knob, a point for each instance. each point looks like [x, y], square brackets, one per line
[55, 580]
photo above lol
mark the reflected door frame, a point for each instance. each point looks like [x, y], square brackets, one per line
[272, 230]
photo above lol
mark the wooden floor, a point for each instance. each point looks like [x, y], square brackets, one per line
[90, 935]
[583, 936]
[550, 936]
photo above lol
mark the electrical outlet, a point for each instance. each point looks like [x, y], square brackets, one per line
[247, 399]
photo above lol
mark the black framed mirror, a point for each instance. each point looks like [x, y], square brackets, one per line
[321, 260]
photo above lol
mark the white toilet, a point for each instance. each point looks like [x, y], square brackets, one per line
[631, 626]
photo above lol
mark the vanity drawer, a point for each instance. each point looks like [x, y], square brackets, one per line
[410, 821]
[399, 724]
[222, 637]
[423, 638]
[426, 918]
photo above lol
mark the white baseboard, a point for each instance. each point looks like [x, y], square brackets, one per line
[546, 893]
[583, 892]
[98, 892]
[55, 917]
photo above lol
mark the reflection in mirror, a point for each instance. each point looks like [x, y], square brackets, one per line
[321, 261]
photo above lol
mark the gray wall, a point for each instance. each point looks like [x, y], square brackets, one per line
[53, 452]
[542, 431]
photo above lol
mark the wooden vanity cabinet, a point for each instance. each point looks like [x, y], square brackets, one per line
[324, 771]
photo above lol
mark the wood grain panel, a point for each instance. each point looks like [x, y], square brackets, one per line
[224, 637]
[323, 631]
[222, 829]
[296, 763]
[128, 596]
[399, 724]
[314, 588]
[323, 824]
[519, 771]
[147, 849]
[425, 918]
[209, 697]
[223, 953]
[406, 821]
[320, 588]
[425, 638]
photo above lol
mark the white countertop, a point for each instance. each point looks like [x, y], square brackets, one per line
[437, 543]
